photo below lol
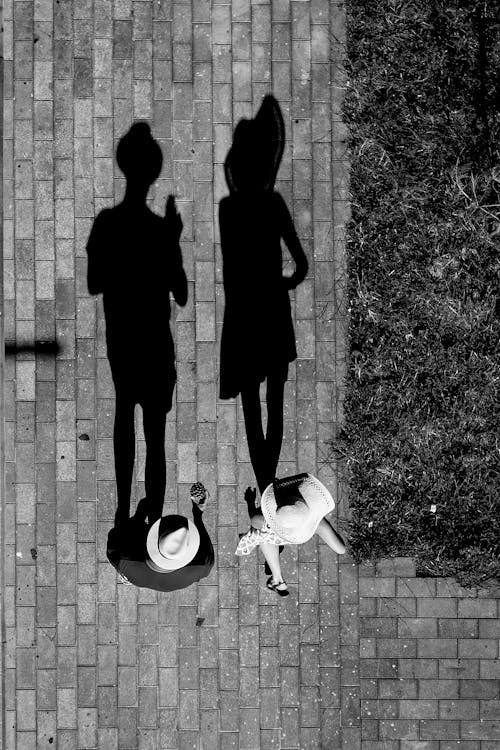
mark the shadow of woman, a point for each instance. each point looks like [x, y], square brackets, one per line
[258, 339]
[135, 261]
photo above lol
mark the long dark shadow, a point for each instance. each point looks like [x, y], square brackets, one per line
[135, 261]
[43, 348]
[258, 339]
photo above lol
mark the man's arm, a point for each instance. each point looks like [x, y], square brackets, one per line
[205, 541]
[95, 250]
[174, 225]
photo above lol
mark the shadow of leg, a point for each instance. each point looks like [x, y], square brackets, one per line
[274, 433]
[124, 448]
[250, 398]
[154, 419]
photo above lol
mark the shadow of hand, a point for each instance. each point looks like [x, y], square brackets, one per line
[173, 218]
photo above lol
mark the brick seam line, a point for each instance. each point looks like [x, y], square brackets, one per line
[348, 572]
[2, 435]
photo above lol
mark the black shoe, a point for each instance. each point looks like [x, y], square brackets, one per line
[274, 587]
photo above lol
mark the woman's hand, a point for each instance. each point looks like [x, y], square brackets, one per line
[257, 521]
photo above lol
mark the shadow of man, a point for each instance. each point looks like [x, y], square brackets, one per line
[135, 261]
[258, 339]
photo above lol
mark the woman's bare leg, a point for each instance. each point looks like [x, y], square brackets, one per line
[326, 531]
[272, 557]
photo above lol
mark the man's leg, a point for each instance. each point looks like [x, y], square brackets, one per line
[154, 419]
[124, 448]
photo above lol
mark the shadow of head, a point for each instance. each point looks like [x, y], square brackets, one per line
[253, 160]
[139, 156]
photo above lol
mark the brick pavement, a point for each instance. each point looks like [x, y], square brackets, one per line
[90, 662]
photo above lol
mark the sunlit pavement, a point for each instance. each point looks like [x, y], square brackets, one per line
[350, 659]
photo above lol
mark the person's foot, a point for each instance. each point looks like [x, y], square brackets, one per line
[141, 511]
[199, 495]
[277, 585]
[250, 497]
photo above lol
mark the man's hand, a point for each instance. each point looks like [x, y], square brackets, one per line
[173, 219]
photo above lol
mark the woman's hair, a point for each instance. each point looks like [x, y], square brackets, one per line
[138, 154]
[169, 524]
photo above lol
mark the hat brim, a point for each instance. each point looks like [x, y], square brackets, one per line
[175, 562]
[318, 500]
[268, 127]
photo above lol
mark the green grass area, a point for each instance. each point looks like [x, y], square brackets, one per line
[421, 442]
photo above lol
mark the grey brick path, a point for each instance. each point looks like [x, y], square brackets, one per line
[90, 662]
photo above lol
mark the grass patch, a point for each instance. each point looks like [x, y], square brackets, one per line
[421, 441]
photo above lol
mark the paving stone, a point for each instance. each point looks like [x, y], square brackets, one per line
[121, 667]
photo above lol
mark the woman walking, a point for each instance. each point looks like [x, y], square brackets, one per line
[292, 511]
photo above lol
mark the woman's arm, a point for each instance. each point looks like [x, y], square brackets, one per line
[257, 521]
[292, 242]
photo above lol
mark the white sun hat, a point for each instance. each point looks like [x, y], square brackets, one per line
[296, 523]
[175, 560]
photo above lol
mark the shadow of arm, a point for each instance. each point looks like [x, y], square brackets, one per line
[179, 284]
[95, 247]
[227, 245]
[292, 242]
[174, 224]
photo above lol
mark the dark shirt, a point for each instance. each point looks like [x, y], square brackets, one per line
[127, 552]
